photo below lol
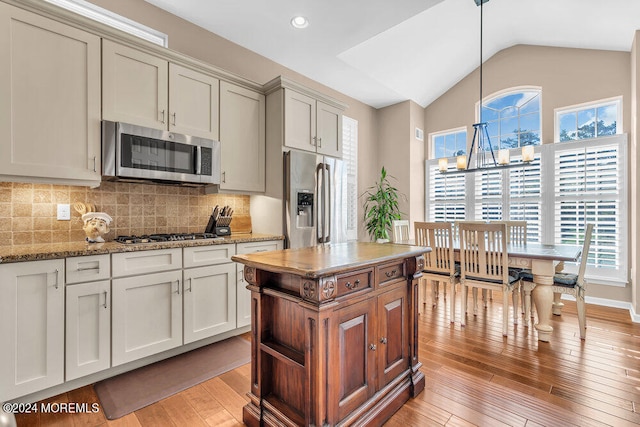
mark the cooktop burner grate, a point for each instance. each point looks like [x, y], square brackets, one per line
[172, 237]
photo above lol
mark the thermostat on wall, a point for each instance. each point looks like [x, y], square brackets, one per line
[419, 134]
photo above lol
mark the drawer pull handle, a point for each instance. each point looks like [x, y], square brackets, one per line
[87, 268]
[162, 121]
[355, 284]
[372, 347]
[105, 299]
[55, 285]
[391, 273]
[178, 289]
[383, 340]
[189, 279]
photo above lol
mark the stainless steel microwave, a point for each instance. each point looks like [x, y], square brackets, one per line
[134, 153]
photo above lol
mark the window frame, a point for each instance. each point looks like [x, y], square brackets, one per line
[434, 135]
[586, 106]
[512, 91]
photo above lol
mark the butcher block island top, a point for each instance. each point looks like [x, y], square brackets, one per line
[317, 261]
[333, 333]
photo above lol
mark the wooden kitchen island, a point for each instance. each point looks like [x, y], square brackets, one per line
[334, 333]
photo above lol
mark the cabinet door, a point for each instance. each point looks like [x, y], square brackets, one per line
[146, 315]
[392, 346]
[135, 86]
[329, 130]
[299, 121]
[31, 327]
[243, 295]
[50, 98]
[88, 326]
[209, 301]
[242, 135]
[353, 362]
[193, 102]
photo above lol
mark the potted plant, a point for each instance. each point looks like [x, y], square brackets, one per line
[381, 208]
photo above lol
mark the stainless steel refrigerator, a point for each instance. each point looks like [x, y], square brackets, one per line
[315, 202]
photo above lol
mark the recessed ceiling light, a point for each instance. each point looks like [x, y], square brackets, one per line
[299, 22]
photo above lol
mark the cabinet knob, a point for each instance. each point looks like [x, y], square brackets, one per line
[383, 340]
[372, 347]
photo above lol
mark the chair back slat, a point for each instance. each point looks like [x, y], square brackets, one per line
[585, 253]
[516, 231]
[483, 252]
[438, 236]
[401, 230]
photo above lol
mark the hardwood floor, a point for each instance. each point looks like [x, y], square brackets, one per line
[474, 377]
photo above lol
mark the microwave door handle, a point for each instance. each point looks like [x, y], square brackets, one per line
[198, 160]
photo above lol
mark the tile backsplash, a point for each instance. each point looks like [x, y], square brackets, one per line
[28, 211]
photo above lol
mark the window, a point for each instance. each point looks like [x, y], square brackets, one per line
[114, 20]
[350, 157]
[566, 186]
[513, 119]
[449, 143]
[592, 120]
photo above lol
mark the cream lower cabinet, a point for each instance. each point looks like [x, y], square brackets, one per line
[50, 100]
[31, 327]
[209, 301]
[243, 294]
[148, 90]
[242, 135]
[146, 307]
[209, 291]
[88, 315]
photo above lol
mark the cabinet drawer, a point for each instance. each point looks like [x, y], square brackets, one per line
[154, 261]
[354, 282]
[208, 255]
[390, 272]
[88, 268]
[248, 248]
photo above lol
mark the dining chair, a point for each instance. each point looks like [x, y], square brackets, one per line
[400, 230]
[439, 263]
[484, 264]
[516, 234]
[566, 283]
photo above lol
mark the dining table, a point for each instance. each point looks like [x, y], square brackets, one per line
[544, 260]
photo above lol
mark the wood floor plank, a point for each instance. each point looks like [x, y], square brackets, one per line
[181, 412]
[154, 415]
[226, 396]
[87, 396]
[204, 403]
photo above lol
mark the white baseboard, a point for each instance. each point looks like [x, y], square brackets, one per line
[635, 317]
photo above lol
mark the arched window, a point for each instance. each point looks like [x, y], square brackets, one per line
[513, 118]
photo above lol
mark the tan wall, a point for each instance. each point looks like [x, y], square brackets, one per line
[28, 211]
[194, 41]
[566, 76]
[416, 164]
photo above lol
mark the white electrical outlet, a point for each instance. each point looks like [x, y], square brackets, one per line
[64, 212]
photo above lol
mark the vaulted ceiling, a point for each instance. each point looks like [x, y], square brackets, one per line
[382, 52]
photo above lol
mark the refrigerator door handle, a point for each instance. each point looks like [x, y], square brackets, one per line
[328, 204]
[320, 203]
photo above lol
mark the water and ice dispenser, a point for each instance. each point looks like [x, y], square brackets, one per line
[304, 217]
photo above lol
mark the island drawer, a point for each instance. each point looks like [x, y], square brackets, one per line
[355, 281]
[390, 272]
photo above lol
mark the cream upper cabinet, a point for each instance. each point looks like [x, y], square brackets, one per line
[312, 125]
[242, 135]
[193, 102]
[135, 86]
[49, 100]
[147, 90]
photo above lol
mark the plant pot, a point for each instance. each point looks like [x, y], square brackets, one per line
[382, 240]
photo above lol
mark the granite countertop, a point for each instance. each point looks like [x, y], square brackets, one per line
[36, 252]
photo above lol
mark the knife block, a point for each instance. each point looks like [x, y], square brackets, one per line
[223, 226]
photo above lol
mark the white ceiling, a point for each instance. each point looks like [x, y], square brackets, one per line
[386, 51]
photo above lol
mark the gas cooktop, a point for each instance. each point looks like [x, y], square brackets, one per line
[171, 237]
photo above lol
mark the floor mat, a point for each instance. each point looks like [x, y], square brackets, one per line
[128, 392]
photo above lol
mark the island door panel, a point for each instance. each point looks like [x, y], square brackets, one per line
[355, 350]
[392, 343]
